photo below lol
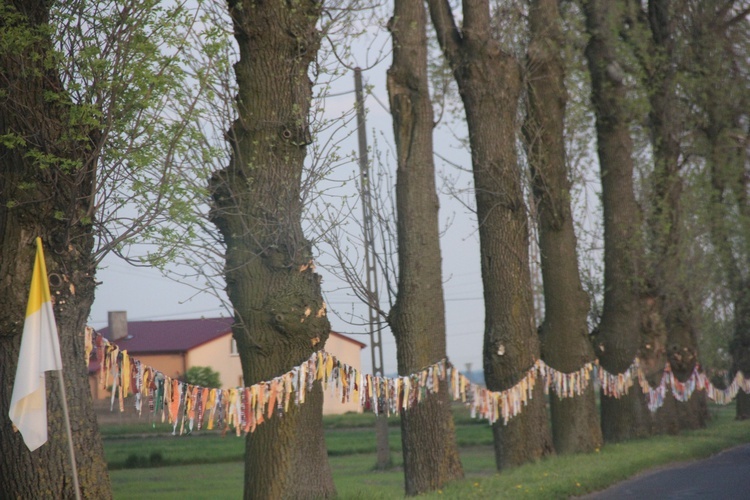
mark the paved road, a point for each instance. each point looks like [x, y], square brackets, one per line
[723, 476]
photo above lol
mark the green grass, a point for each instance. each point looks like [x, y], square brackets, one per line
[187, 482]
[554, 477]
[144, 427]
[461, 416]
[139, 429]
[124, 452]
[135, 452]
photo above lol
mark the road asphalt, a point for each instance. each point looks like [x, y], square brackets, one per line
[723, 476]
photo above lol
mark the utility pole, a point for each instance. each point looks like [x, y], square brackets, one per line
[371, 279]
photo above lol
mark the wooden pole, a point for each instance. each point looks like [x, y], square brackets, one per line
[70, 436]
[376, 344]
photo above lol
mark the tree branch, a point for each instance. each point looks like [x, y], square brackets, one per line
[448, 35]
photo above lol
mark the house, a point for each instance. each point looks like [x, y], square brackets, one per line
[174, 346]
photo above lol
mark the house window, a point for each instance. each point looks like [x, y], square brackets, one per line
[233, 348]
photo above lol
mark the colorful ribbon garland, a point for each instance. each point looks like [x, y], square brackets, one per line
[244, 408]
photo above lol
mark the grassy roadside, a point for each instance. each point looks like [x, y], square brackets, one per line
[142, 444]
[218, 476]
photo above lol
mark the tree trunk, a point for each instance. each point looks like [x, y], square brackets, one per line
[618, 337]
[722, 159]
[44, 200]
[564, 332]
[280, 317]
[668, 269]
[721, 96]
[725, 160]
[418, 316]
[489, 83]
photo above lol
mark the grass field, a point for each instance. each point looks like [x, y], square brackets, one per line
[209, 466]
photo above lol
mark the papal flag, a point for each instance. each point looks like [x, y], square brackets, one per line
[40, 352]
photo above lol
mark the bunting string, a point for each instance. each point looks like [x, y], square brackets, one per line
[243, 409]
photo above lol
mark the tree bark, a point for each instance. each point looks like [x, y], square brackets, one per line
[489, 83]
[280, 317]
[721, 95]
[418, 316]
[725, 156]
[564, 332]
[725, 160]
[669, 275]
[618, 339]
[46, 200]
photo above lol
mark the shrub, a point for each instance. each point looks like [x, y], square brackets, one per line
[203, 376]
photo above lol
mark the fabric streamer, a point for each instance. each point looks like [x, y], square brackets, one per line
[243, 409]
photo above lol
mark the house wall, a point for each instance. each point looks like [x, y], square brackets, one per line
[171, 365]
[217, 354]
[96, 391]
[349, 353]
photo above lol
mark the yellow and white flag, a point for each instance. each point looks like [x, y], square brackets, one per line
[40, 352]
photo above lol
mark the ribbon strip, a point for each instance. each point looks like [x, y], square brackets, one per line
[244, 408]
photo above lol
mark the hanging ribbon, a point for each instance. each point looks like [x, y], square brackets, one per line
[244, 408]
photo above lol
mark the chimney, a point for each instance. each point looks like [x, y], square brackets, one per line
[118, 324]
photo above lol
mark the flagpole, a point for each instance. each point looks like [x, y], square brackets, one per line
[70, 435]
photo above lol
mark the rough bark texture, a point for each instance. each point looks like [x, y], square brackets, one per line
[47, 202]
[721, 95]
[618, 339]
[725, 160]
[564, 332]
[489, 83]
[668, 272]
[418, 316]
[724, 157]
[279, 312]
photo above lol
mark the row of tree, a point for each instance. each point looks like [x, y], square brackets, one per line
[103, 108]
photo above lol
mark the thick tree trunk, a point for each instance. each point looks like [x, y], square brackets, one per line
[667, 270]
[564, 332]
[724, 158]
[618, 338]
[489, 83]
[280, 315]
[739, 347]
[45, 201]
[418, 316]
[724, 161]
[720, 94]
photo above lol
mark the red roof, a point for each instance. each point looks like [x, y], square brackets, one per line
[177, 336]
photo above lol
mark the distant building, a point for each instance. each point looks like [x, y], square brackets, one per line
[174, 346]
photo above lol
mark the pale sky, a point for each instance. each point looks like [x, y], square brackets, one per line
[146, 295]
